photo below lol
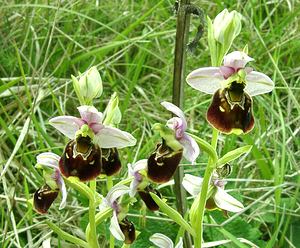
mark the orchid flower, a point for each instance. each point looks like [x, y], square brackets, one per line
[162, 241]
[120, 227]
[44, 196]
[138, 184]
[104, 136]
[232, 85]
[219, 199]
[179, 125]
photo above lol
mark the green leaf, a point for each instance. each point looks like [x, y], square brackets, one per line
[172, 213]
[234, 154]
[66, 236]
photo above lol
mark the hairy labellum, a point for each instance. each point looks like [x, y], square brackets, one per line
[111, 163]
[147, 199]
[81, 159]
[162, 163]
[128, 230]
[43, 198]
[231, 110]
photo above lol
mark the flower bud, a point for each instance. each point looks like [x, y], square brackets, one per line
[89, 86]
[226, 26]
[112, 112]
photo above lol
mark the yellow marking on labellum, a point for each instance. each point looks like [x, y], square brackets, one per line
[221, 109]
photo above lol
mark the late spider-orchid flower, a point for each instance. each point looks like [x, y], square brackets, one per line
[82, 155]
[176, 143]
[45, 196]
[162, 241]
[140, 185]
[219, 197]
[232, 85]
[104, 136]
[120, 227]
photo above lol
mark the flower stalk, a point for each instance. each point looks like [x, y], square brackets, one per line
[203, 195]
[92, 238]
[182, 29]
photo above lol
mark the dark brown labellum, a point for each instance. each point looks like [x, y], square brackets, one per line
[147, 199]
[81, 159]
[231, 109]
[111, 163]
[162, 163]
[43, 198]
[128, 230]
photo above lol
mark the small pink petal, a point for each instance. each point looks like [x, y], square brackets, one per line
[178, 126]
[227, 71]
[96, 127]
[90, 114]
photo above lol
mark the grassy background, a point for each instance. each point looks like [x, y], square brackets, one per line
[132, 42]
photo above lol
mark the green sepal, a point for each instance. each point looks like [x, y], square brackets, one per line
[172, 213]
[168, 135]
[234, 154]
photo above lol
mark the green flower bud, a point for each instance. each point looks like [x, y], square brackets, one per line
[112, 112]
[89, 86]
[227, 25]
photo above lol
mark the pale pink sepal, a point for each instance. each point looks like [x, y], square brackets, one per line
[258, 83]
[109, 137]
[225, 201]
[115, 228]
[67, 125]
[206, 79]
[191, 149]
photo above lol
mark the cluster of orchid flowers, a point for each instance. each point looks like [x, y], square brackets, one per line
[94, 142]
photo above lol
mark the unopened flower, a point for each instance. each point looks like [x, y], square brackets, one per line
[219, 197]
[104, 136]
[120, 227]
[226, 26]
[89, 85]
[45, 196]
[233, 85]
[162, 241]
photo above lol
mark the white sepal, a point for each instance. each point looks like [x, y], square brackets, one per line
[115, 228]
[161, 240]
[225, 201]
[48, 159]
[258, 83]
[109, 137]
[192, 184]
[67, 125]
[206, 79]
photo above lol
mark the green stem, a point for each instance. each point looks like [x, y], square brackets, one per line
[109, 185]
[204, 189]
[92, 237]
